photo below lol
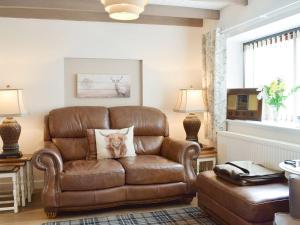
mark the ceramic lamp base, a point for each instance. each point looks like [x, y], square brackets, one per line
[192, 125]
[11, 154]
[10, 132]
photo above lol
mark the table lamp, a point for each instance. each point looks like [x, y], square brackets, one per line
[191, 101]
[11, 104]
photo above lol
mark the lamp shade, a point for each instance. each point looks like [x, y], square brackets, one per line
[124, 9]
[11, 102]
[190, 100]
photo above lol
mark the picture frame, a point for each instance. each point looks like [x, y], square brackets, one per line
[103, 86]
[113, 69]
[242, 104]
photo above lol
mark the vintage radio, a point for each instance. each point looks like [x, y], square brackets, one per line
[242, 104]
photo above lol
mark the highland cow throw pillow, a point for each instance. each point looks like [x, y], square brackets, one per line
[114, 143]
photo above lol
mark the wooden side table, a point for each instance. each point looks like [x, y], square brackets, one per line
[207, 159]
[26, 174]
[13, 173]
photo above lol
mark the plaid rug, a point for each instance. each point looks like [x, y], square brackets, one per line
[181, 216]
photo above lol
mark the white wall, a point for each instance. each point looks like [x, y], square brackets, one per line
[32, 56]
[259, 12]
[235, 64]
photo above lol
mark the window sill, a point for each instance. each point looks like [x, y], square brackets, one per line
[282, 126]
[276, 131]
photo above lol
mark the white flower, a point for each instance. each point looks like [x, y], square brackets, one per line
[260, 95]
[261, 88]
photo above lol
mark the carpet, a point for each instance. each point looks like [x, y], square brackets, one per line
[180, 216]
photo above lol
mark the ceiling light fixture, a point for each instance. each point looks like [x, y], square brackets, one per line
[124, 9]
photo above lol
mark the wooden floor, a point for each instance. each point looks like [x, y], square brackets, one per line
[33, 213]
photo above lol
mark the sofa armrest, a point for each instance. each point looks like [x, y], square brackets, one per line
[51, 152]
[183, 152]
[49, 160]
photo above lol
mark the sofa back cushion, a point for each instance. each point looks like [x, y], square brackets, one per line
[67, 128]
[147, 121]
[150, 126]
[71, 148]
[72, 122]
[148, 145]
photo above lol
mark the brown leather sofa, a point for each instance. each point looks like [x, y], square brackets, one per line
[161, 171]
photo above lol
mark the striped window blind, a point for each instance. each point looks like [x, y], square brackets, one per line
[273, 39]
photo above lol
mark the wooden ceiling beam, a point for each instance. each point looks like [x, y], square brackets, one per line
[184, 12]
[96, 6]
[232, 2]
[94, 16]
[236, 2]
[76, 5]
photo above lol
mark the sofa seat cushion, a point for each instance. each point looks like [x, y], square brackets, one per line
[151, 169]
[85, 175]
[255, 204]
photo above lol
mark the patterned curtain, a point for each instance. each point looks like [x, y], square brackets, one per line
[214, 81]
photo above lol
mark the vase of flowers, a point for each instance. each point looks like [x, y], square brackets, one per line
[275, 95]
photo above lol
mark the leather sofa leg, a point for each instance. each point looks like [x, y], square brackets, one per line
[51, 213]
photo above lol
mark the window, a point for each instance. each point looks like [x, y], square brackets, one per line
[276, 56]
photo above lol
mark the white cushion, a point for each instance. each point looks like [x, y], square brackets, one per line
[113, 143]
[285, 219]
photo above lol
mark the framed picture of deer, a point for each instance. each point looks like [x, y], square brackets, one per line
[103, 86]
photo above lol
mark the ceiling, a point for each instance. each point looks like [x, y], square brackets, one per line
[162, 12]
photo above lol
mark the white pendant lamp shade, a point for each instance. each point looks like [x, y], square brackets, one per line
[124, 9]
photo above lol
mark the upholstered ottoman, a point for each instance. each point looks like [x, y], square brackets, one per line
[241, 205]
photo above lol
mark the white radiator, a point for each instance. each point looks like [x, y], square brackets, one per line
[268, 152]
